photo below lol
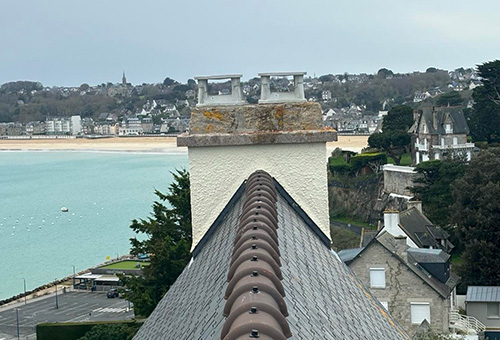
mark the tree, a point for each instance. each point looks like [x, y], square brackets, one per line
[395, 143]
[399, 118]
[169, 81]
[168, 242]
[484, 122]
[383, 73]
[476, 212]
[452, 98]
[110, 331]
[394, 139]
[433, 187]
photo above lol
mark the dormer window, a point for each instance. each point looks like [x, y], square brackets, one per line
[447, 128]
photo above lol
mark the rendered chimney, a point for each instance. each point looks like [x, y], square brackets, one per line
[391, 223]
[228, 140]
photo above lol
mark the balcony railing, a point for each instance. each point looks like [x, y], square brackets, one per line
[453, 147]
[468, 324]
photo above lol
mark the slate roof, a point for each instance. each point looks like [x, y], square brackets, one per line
[428, 255]
[455, 113]
[347, 255]
[421, 231]
[483, 294]
[323, 297]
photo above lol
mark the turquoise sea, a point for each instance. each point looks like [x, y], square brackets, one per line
[103, 192]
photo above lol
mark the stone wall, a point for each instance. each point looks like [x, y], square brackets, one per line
[398, 179]
[402, 287]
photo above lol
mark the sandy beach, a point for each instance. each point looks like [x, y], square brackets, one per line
[139, 144]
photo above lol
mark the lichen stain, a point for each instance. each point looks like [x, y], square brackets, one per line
[215, 114]
[279, 116]
[209, 128]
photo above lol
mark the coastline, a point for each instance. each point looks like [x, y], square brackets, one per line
[163, 145]
[64, 284]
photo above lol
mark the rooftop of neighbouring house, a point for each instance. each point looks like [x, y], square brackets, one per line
[483, 294]
[265, 270]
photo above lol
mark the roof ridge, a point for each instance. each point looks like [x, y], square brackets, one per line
[255, 307]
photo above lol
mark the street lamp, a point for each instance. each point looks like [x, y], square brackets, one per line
[73, 276]
[24, 290]
[57, 302]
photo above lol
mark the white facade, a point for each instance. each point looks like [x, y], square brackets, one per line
[76, 125]
[217, 172]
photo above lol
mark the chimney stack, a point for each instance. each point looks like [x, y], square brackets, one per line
[229, 139]
[434, 118]
[415, 204]
[391, 223]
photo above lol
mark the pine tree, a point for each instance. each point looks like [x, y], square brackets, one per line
[168, 241]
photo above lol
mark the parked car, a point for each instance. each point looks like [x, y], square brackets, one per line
[113, 293]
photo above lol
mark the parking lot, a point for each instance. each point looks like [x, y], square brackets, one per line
[72, 306]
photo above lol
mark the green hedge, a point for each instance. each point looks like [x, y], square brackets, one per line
[74, 330]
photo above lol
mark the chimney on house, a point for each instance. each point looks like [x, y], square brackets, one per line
[415, 204]
[434, 118]
[391, 223]
[229, 139]
[416, 114]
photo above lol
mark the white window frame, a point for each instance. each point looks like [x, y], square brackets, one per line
[415, 321]
[455, 140]
[447, 128]
[376, 284]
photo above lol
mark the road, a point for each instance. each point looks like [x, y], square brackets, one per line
[73, 306]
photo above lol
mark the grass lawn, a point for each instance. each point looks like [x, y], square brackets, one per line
[405, 160]
[125, 265]
[339, 160]
[350, 220]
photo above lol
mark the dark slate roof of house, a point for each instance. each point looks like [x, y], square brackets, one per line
[455, 113]
[422, 255]
[483, 294]
[323, 298]
[420, 230]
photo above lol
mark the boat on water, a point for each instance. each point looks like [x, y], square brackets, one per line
[64, 209]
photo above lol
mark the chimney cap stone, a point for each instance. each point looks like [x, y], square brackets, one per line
[218, 76]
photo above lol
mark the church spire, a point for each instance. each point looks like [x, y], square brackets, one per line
[124, 79]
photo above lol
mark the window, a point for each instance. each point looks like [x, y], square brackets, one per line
[385, 304]
[377, 277]
[425, 128]
[442, 141]
[455, 140]
[447, 128]
[420, 311]
[493, 310]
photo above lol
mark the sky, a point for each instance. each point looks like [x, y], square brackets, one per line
[67, 43]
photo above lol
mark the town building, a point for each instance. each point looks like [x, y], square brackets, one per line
[412, 284]
[483, 303]
[439, 132]
[262, 265]
[419, 231]
[64, 125]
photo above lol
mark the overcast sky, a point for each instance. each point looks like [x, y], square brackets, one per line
[63, 42]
